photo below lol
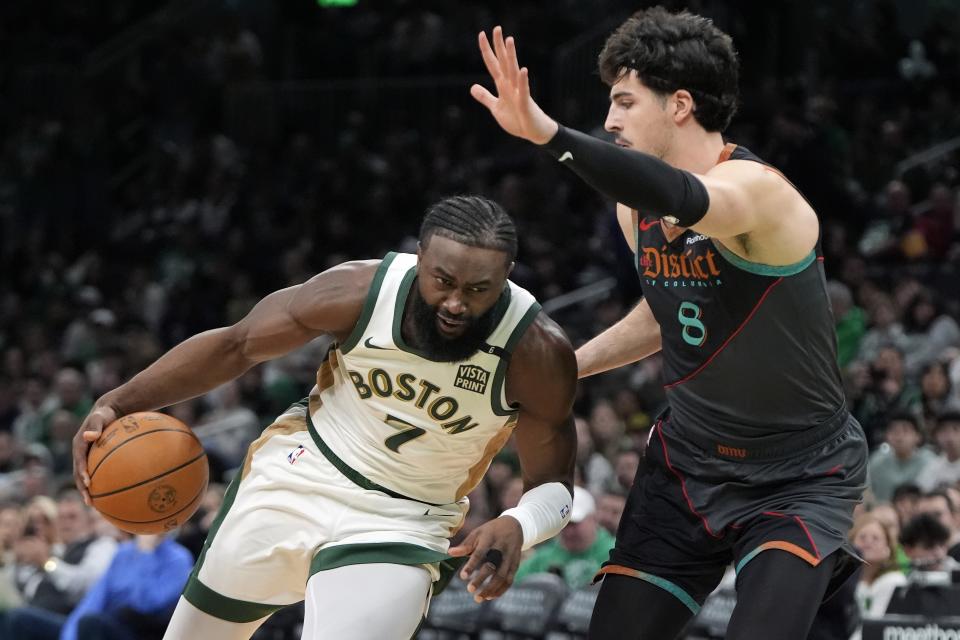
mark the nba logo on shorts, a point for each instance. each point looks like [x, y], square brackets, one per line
[296, 453]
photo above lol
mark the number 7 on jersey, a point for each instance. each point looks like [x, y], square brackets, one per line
[407, 432]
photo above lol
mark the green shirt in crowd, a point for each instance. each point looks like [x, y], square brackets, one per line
[577, 569]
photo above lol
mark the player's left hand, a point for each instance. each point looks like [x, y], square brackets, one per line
[485, 578]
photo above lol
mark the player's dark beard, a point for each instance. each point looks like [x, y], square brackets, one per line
[438, 347]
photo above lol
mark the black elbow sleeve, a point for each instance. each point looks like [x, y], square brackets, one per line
[631, 177]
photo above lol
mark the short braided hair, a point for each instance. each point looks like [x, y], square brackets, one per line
[471, 220]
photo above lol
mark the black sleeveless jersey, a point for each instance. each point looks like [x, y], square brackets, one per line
[749, 349]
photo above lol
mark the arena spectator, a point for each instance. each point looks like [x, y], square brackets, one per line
[625, 465]
[888, 392]
[596, 468]
[229, 428]
[60, 581]
[930, 330]
[925, 541]
[577, 553]
[901, 459]
[606, 428]
[906, 497]
[884, 329]
[29, 420]
[880, 574]
[9, 454]
[11, 528]
[887, 516]
[62, 426]
[886, 227]
[69, 394]
[509, 496]
[936, 393]
[850, 322]
[610, 506]
[133, 600]
[935, 224]
[945, 468]
[940, 505]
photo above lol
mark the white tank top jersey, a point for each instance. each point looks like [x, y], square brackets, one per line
[422, 429]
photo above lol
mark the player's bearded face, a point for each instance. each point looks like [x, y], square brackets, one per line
[445, 348]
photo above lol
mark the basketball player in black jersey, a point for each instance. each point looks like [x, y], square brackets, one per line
[757, 461]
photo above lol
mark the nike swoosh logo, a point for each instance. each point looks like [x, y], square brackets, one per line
[449, 515]
[566, 156]
[644, 225]
[370, 345]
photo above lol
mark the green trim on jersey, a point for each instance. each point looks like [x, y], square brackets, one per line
[369, 304]
[230, 609]
[765, 269]
[499, 377]
[403, 292]
[206, 599]
[399, 305]
[373, 552]
[671, 588]
[502, 305]
[225, 506]
[352, 474]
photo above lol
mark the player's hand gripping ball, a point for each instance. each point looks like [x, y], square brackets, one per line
[148, 473]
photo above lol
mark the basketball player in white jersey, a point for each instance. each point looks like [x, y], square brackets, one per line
[349, 499]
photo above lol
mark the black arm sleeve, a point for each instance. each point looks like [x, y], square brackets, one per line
[633, 178]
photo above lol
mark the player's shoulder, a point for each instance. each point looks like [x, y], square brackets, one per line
[353, 276]
[743, 166]
[358, 268]
[544, 349]
[542, 375]
[335, 298]
[764, 188]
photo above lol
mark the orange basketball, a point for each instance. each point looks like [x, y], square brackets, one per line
[148, 473]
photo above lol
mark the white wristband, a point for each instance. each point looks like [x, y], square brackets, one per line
[542, 512]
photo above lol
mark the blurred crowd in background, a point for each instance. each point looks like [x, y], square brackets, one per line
[160, 171]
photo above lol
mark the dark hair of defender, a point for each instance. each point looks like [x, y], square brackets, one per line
[673, 51]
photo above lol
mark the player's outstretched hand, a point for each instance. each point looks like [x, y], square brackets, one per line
[86, 435]
[512, 107]
[494, 550]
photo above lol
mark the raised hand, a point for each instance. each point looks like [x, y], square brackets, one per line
[512, 107]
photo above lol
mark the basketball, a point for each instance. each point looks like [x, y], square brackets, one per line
[148, 473]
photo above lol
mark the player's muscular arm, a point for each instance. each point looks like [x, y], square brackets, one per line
[632, 338]
[542, 380]
[329, 302]
[735, 198]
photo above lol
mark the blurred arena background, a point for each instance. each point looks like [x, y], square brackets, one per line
[164, 165]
